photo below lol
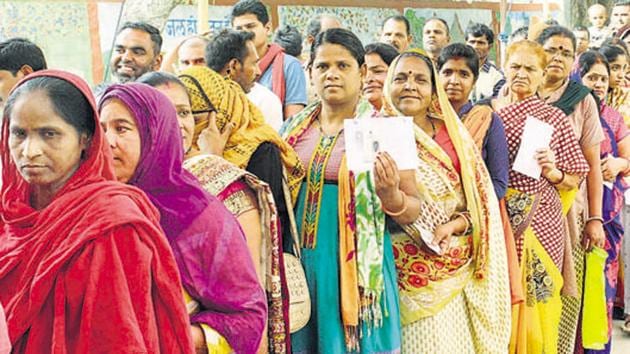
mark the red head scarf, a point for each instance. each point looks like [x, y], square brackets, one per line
[92, 271]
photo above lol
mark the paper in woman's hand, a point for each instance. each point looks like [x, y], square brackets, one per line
[536, 135]
[364, 138]
[427, 238]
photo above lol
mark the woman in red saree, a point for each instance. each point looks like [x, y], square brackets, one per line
[84, 265]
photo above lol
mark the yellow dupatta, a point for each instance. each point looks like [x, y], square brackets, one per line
[208, 90]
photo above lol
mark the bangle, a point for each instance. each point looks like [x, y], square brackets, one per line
[466, 219]
[561, 178]
[402, 210]
[593, 218]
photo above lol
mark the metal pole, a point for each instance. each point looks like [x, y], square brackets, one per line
[202, 16]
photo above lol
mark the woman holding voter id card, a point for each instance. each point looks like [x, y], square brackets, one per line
[346, 249]
[451, 259]
[546, 165]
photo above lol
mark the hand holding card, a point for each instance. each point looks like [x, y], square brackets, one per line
[536, 135]
[364, 138]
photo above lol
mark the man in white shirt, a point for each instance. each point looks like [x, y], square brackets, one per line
[268, 103]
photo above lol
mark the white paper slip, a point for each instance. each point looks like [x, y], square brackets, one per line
[366, 137]
[427, 237]
[536, 135]
[607, 184]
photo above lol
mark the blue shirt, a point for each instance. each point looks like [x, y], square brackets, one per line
[294, 81]
[494, 152]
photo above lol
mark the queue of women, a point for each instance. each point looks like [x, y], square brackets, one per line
[121, 233]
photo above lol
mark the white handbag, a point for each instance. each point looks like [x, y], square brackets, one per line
[299, 297]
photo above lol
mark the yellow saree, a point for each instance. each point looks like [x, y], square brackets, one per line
[536, 321]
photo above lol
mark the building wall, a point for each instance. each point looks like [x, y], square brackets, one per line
[77, 35]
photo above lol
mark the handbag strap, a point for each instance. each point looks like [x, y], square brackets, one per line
[293, 225]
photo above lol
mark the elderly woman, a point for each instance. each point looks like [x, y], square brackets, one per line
[451, 257]
[536, 205]
[226, 303]
[84, 265]
[248, 199]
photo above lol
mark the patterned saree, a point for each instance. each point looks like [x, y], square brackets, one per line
[458, 302]
[232, 185]
[536, 212]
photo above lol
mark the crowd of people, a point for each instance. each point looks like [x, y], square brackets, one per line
[159, 213]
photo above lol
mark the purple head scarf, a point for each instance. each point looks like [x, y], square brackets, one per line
[208, 243]
[160, 174]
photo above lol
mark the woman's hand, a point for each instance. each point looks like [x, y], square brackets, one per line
[387, 182]
[612, 166]
[442, 235]
[211, 140]
[593, 235]
[546, 159]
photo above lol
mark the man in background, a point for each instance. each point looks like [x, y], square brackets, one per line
[481, 38]
[435, 36]
[582, 37]
[281, 73]
[620, 15]
[136, 51]
[233, 54]
[18, 57]
[396, 31]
